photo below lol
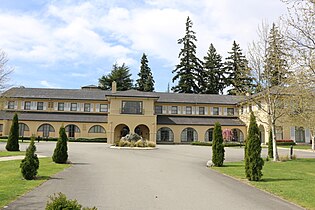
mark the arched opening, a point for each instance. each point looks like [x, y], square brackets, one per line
[189, 135]
[143, 130]
[45, 129]
[22, 128]
[97, 129]
[209, 135]
[237, 135]
[165, 135]
[299, 135]
[120, 131]
[262, 134]
[72, 130]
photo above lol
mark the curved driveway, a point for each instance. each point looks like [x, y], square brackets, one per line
[170, 177]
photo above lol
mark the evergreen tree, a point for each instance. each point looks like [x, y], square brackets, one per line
[30, 163]
[217, 146]
[145, 81]
[239, 74]
[214, 80]
[121, 75]
[189, 71]
[61, 151]
[253, 161]
[13, 138]
[276, 69]
[270, 145]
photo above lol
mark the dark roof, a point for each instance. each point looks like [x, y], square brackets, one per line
[134, 93]
[55, 117]
[184, 120]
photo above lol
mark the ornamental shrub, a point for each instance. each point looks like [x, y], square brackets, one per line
[61, 151]
[270, 145]
[13, 138]
[217, 146]
[253, 161]
[30, 164]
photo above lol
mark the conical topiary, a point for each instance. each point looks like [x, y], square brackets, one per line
[270, 145]
[217, 146]
[13, 139]
[30, 163]
[61, 151]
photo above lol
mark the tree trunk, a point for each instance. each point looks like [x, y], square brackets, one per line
[274, 142]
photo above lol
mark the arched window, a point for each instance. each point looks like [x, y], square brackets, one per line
[189, 135]
[46, 129]
[23, 127]
[299, 135]
[71, 130]
[97, 129]
[237, 135]
[165, 135]
[209, 135]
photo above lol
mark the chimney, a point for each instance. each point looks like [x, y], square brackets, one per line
[114, 87]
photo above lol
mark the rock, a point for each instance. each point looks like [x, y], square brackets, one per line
[209, 163]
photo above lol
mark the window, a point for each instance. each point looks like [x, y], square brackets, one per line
[215, 110]
[87, 107]
[242, 110]
[1, 127]
[188, 109]
[22, 128]
[73, 107]
[165, 135]
[27, 105]
[189, 135]
[46, 129]
[61, 106]
[158, 110]
[201, 110]
[209, 135]
[131, 107]
[230, 111]
[50, 105]
[40, 105]
[103, 107]
[174, 110]
[11, 105]
[279, 132]
[97, 129]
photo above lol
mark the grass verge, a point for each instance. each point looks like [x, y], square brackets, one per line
[306, 147]
[12, 184]
[291, 180]
[7, 154]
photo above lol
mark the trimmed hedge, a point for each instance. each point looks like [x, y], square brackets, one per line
[55, 139]
[225, 144]
[284, 142]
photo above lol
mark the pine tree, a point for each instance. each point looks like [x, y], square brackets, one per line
[61, 151]
[253, 161]
[189, 71]
[270, 145]
[239, 74]
[217, 146]
[214, 80]
[30, 163]
[121, 75]
[145, 82]
[13, 138]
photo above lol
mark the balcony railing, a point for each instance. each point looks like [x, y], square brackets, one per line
[132, 111]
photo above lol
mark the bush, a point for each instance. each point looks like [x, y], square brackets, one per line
[13, 138]
[151, 144]
[30, 164]
[60, 201]
[61, 151]
[270, 145]
[217, 146]
[199, 143]
[139, 143]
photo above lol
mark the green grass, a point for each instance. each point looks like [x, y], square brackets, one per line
[12, 184]
[6, 153]
[307, 147]
[291, 180]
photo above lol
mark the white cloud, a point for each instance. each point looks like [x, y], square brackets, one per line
[46, 84]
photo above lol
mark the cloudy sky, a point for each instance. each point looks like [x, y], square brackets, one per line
[71, 43]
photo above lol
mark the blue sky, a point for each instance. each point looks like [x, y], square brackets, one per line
[69, 44]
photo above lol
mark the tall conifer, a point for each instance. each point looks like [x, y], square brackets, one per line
[145, 81]
[13, 138]
[61, 151]
[217, 146]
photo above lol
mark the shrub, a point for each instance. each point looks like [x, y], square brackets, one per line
[217, 146]
[151, 144]
[60, 201]
[61, 151]
[270, 145]
[253, 161]
[283, 158]
[123, 143]
[13, 138]
[198, 143]
[139, 143]
[30, 164]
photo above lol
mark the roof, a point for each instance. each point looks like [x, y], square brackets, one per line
[134, 93]
[184, 120]
[55, 117]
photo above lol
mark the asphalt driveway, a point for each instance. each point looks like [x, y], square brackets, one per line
[170, 177]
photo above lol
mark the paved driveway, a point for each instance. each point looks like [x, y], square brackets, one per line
[171, 177]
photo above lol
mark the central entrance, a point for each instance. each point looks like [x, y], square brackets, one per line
[143, 130]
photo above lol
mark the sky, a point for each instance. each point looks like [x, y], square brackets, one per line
[72, 43]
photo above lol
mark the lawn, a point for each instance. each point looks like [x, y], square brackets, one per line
[303, 146]
[12, 184]
[6, 153]
[291, 180]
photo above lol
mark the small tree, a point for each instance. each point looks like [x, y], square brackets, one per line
[30, 163]
[253, 161]
[61, 151]
[13, 139]
[270, 145]
[217, 146]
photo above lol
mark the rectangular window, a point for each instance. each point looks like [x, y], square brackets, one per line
[230, 111]
[201, 110]
[103, 107]
[50, 105]
[1, 127]
[40, 105]
[215, 110]
[158, 110]
[11, 105]
[27, 105]
[279, 133]
[174, 110]
[188, 110]
[131, 107]
[73, 107]
[87, 107]
[61, 106]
